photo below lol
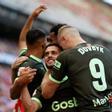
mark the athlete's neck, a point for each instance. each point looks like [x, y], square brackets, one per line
[34, 52]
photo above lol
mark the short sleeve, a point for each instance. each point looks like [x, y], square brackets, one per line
[37, 97]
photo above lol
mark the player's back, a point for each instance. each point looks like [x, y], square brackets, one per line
[36, 63]
[90, 72]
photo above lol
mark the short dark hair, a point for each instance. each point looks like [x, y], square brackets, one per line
[55, 28]
[34, 35]
[54, 44]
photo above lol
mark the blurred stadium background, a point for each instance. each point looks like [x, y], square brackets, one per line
[93, 18]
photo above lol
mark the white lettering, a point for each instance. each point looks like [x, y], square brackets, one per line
[96, 102]
[101, 50]
[105, 99]
[56, 105]
[81, 51]
[84, 50]
[63, 105]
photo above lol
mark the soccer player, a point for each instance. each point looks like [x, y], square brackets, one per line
[63, 100]
[34, 41]
[52, 37]
[89, 69]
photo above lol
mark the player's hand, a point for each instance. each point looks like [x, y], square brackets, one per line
[18, 61]
[26, 75]
[38, 10]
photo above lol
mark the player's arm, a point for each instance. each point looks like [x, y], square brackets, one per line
[28, 25]
[16, 86]
[26, 76]
[31, 104]
[52, 80]
[48, 87]
[16, 65]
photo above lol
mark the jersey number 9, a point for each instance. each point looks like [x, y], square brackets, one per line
[99, 75]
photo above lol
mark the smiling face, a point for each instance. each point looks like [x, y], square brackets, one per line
[50, 55]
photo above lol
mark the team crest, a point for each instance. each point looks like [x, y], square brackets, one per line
[57, 64]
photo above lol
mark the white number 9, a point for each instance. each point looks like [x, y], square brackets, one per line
[99, 75]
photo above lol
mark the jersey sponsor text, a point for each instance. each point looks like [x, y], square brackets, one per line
[56, 105]
[101, 101]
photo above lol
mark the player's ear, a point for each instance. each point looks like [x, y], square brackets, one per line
[43, 46]
[63, 38]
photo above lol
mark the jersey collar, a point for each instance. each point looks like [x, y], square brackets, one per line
[35, 58]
